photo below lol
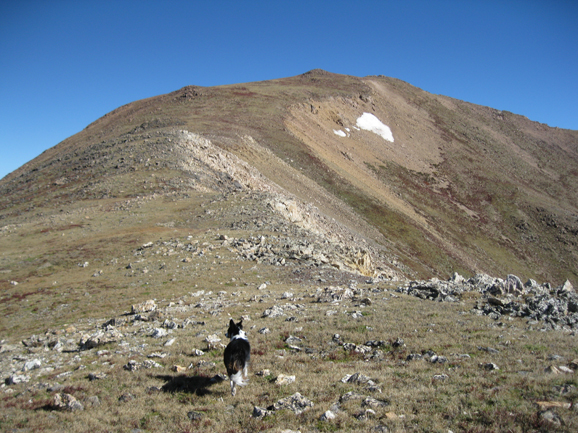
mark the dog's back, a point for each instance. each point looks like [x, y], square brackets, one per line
[237, 356]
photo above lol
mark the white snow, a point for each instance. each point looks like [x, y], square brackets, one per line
[371, 123]
[340, 133]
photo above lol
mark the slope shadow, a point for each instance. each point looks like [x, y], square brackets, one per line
[198, 385]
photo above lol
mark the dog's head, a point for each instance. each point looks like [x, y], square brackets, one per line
[234, 329]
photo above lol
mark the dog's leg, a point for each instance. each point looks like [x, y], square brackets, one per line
[245, 372]
[233, 389]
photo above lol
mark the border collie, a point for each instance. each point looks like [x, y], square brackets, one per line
[237, 355]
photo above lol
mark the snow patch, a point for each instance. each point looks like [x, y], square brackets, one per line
[340, 133]
[371, 123]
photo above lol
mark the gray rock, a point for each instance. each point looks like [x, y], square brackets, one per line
[96, 376]
[328, 415]
[293, 340]
[93, 401]
[374, 403]
[489, 366]
[358, 379]
[144, 307]
[132, 365]
[513, 285]
[440, 377]
[555, 308]
[334, 294]
[67, 402]
[295, 403]
[364, 415]
[551, 417]
[17, 378]
[100, 338]
[273, 312]
[32, 365]
[159, 333]
[566, 287]
[283, 379]
[195, 415]
[170, 324]
[259, 412]
[488, 349]
[351, 396]
[126, 397]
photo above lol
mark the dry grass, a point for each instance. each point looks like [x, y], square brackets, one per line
[469, 399]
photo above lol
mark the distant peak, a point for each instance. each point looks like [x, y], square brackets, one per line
[316, 72]
[188, 92]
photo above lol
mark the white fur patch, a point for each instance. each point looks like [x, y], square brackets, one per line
[241, 335]
[237, 378]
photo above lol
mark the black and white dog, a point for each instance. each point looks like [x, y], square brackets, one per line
[237, 355]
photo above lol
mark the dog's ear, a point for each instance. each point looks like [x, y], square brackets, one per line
[240, 324]
[231, 322]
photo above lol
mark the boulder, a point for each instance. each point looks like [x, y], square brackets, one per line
[17, 378]
[144, 307]
[100, 338]
[295, 403]
[273, 312]
[513, 285]
[328, 415]
[67, 402]
[284, 380]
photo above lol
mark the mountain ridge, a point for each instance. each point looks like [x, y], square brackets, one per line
[453, 165]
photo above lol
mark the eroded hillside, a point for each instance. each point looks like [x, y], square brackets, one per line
[460, 188]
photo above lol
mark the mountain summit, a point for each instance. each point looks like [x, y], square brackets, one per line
[424, 184]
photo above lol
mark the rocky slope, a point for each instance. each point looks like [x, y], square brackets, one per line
[459, 188]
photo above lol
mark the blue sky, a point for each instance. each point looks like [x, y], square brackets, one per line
[63, 64]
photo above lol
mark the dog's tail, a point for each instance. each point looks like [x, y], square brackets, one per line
[238, 379]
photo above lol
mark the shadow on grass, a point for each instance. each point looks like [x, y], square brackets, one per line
[198, 385]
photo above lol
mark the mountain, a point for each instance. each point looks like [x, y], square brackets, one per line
[308, 207]
[460, 188]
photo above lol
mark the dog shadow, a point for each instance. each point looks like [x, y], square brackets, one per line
[197, 385]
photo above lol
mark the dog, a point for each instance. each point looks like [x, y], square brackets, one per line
[237, 356]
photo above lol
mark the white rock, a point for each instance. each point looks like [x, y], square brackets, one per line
[32, 365]
[440, 377]
[144, 307]
[212, 341]
[18, 378]
[66, 402]
[284, 380]
[328, 416]
[159, 333]
[273, 312]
